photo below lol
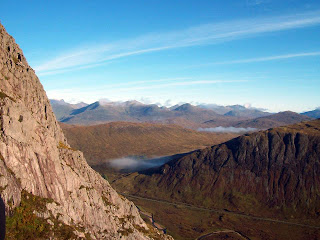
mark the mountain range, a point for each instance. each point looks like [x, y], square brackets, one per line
[185, 115]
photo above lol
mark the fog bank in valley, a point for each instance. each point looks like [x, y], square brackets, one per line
[137, 164]
[227, 129]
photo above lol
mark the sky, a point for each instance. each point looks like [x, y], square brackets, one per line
[259, 53]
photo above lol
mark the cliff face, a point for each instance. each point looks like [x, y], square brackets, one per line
[37, 163]
[273, 172]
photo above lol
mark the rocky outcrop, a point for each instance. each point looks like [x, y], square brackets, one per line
[35, 158]
[269, 173]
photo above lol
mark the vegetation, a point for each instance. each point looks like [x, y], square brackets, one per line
[63, 146]
[15, 59]
[24, 223]
[119, 139]
[186, 223]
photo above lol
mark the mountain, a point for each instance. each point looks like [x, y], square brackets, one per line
[313, 114]
[100, 143]
[269, 121]
[196, 114]
[49, 190]
[62, 108]
[235, 110]
[273, 173]
[99, 112]
[274, 120]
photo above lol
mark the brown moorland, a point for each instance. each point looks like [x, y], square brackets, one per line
[104, 142]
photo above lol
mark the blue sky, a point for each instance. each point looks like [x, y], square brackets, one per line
[264, 53]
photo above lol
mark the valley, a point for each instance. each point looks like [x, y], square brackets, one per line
[104, 142]
[160, 120]
[200, 183]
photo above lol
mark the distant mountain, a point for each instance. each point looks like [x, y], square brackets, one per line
[273, 173]
[196, 114]
[97, 113]
[62, 109]
[235, 110]
[313, 114]
[101, 143]
[274, 120]
[185, 115]
[269, 121]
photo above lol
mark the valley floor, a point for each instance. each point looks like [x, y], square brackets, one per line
[185, 221]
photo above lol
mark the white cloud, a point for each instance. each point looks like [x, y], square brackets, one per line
[256, 2]
[227, 129]
[213, 33]
[271, 58]
[137, 164]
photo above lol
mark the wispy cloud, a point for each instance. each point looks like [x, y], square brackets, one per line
[256, 2]
[92, 94]
[86, 57]
[270, 58]
[184, 83]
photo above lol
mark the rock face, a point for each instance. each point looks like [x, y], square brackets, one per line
[36, 158]
[273, 173]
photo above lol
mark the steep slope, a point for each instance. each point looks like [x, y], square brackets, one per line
[273, 173]
[100, 143]
[48, 188]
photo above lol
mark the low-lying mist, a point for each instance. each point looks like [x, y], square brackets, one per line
[131, 164]
[227, 129]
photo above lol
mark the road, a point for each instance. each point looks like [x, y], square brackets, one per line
[224, 211]
[151, 219]
[223, 231]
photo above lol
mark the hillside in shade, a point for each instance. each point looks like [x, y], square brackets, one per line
[273, 173]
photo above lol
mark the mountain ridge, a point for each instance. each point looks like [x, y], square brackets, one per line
[273, 172]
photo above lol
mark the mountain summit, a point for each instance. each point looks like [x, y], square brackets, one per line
[49, 189]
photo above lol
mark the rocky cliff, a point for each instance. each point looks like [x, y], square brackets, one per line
[45, 183]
